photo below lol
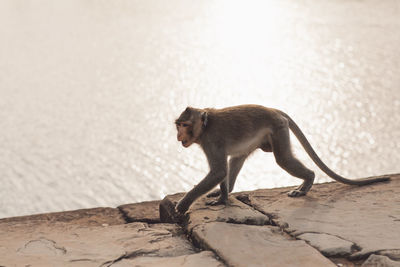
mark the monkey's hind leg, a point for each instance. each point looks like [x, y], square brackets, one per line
[286, 160]
[223, 198]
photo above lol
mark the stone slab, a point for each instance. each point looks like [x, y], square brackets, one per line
[249, 245]
[368, 216]
[234, 212]
[380, 261]
[147, 211]
[73, 245]
[328, 245]
[93, 217]
[391, 253]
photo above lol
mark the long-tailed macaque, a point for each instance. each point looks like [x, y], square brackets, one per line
[227, 137]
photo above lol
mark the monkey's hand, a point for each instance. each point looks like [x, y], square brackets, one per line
[181, 207]
[219, 201]
[215, 193]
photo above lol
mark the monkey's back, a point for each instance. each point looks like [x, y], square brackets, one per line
[246, 125]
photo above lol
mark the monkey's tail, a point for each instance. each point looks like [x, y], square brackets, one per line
[313, 155]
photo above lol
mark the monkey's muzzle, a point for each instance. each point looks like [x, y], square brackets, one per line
[185, 143]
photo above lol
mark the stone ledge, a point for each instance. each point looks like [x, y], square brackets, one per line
[89, 217]
[333, 224]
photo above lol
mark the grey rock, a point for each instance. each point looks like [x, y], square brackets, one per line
[394, 254]
[367, 216]
[234, 212]
[328, 245]
[74, 245]
[167, 208]
[249, 245]
[141, 212]
[380, 261]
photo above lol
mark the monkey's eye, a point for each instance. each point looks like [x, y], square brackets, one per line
[185, 124]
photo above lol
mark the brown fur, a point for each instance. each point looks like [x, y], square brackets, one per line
[235, 132]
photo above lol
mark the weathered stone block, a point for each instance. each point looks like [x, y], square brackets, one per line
[328, 245]
[68, 245]
[367, 216]
[167, 208]
[380, 261]
[248, 245]
[147, 211]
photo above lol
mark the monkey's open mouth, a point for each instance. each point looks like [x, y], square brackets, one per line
[184, 142]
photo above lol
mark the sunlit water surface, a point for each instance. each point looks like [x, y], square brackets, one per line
[89, 91]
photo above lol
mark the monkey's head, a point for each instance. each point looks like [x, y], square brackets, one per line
[190, 125]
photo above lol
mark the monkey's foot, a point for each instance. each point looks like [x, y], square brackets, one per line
[216, 202]
[297, 193]
[215, 193]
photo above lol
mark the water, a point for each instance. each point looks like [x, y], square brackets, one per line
[89, 91]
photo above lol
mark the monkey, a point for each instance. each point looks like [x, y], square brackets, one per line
[229, 135]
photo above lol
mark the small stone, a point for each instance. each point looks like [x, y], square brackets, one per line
[141, 212]
[380, 261]
[394, 254]
[167, 208]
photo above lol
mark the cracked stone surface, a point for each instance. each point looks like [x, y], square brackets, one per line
[329, 245]
[76, 245]
[380, 261]
[368, 216]
[249, 245]
[241, 236]
[353, 225]
[205, 258]
[235, 212]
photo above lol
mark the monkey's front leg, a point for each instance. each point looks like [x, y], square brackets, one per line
[235, 165]
[210, 181]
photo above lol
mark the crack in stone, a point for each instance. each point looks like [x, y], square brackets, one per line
[131, 255]
[246, 200]
[124, 215]
[315, 232]
[50, 244]
[247, 221]
[158, 239]
[78, 260]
